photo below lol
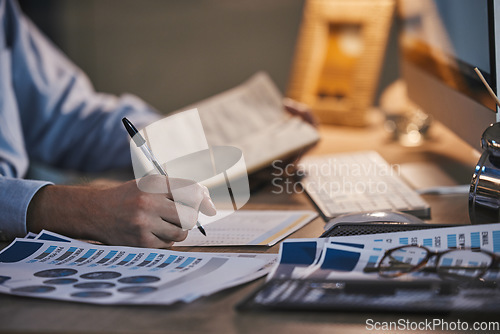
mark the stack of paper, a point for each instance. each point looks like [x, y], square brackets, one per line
[52, 266]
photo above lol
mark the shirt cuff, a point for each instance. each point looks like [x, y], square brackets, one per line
[15, 197]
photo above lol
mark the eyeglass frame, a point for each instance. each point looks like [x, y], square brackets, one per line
[421, 266]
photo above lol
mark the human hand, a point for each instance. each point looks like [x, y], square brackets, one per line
[301, 110]
[154, 212]
[263, 176]
[141, 213]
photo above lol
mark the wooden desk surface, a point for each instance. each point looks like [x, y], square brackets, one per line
[216, 314]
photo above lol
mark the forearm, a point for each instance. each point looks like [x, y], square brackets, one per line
[68, 210]
[120, 215]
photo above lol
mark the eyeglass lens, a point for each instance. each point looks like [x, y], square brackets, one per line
[402, 260]
[463, 264]
[460, 263]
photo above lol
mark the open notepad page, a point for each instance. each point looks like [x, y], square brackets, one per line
[248, 227]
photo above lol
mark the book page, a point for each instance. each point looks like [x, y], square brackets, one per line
[251, 117]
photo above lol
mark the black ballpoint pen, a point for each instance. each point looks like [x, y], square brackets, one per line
[141, 143]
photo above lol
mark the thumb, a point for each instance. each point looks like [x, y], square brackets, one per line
[207, 206]
[154, 184]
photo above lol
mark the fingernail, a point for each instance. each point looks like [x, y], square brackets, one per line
[212, 203]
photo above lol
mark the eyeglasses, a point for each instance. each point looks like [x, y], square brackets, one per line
[459, 264]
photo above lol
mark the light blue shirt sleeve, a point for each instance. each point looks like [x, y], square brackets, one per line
[50, 113]
[15, 195]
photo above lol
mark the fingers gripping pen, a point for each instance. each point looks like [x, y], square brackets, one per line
[143, 146]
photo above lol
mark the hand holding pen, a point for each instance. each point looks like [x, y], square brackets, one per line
[186, 184]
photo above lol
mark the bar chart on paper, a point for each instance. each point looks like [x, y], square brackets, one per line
[485, 237]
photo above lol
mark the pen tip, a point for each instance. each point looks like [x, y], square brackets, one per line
[202, 230]
[132, 131]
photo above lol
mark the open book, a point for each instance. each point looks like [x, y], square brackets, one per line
[251, 117]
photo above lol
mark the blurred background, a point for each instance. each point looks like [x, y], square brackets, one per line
[173, 53]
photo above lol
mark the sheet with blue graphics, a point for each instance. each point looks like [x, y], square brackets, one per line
[248, 227]
[315, 273]
[52, 266]
[368, 249]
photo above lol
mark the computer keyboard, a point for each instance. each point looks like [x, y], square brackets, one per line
[358, 182]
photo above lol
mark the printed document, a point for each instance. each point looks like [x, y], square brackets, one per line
[56, 267]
